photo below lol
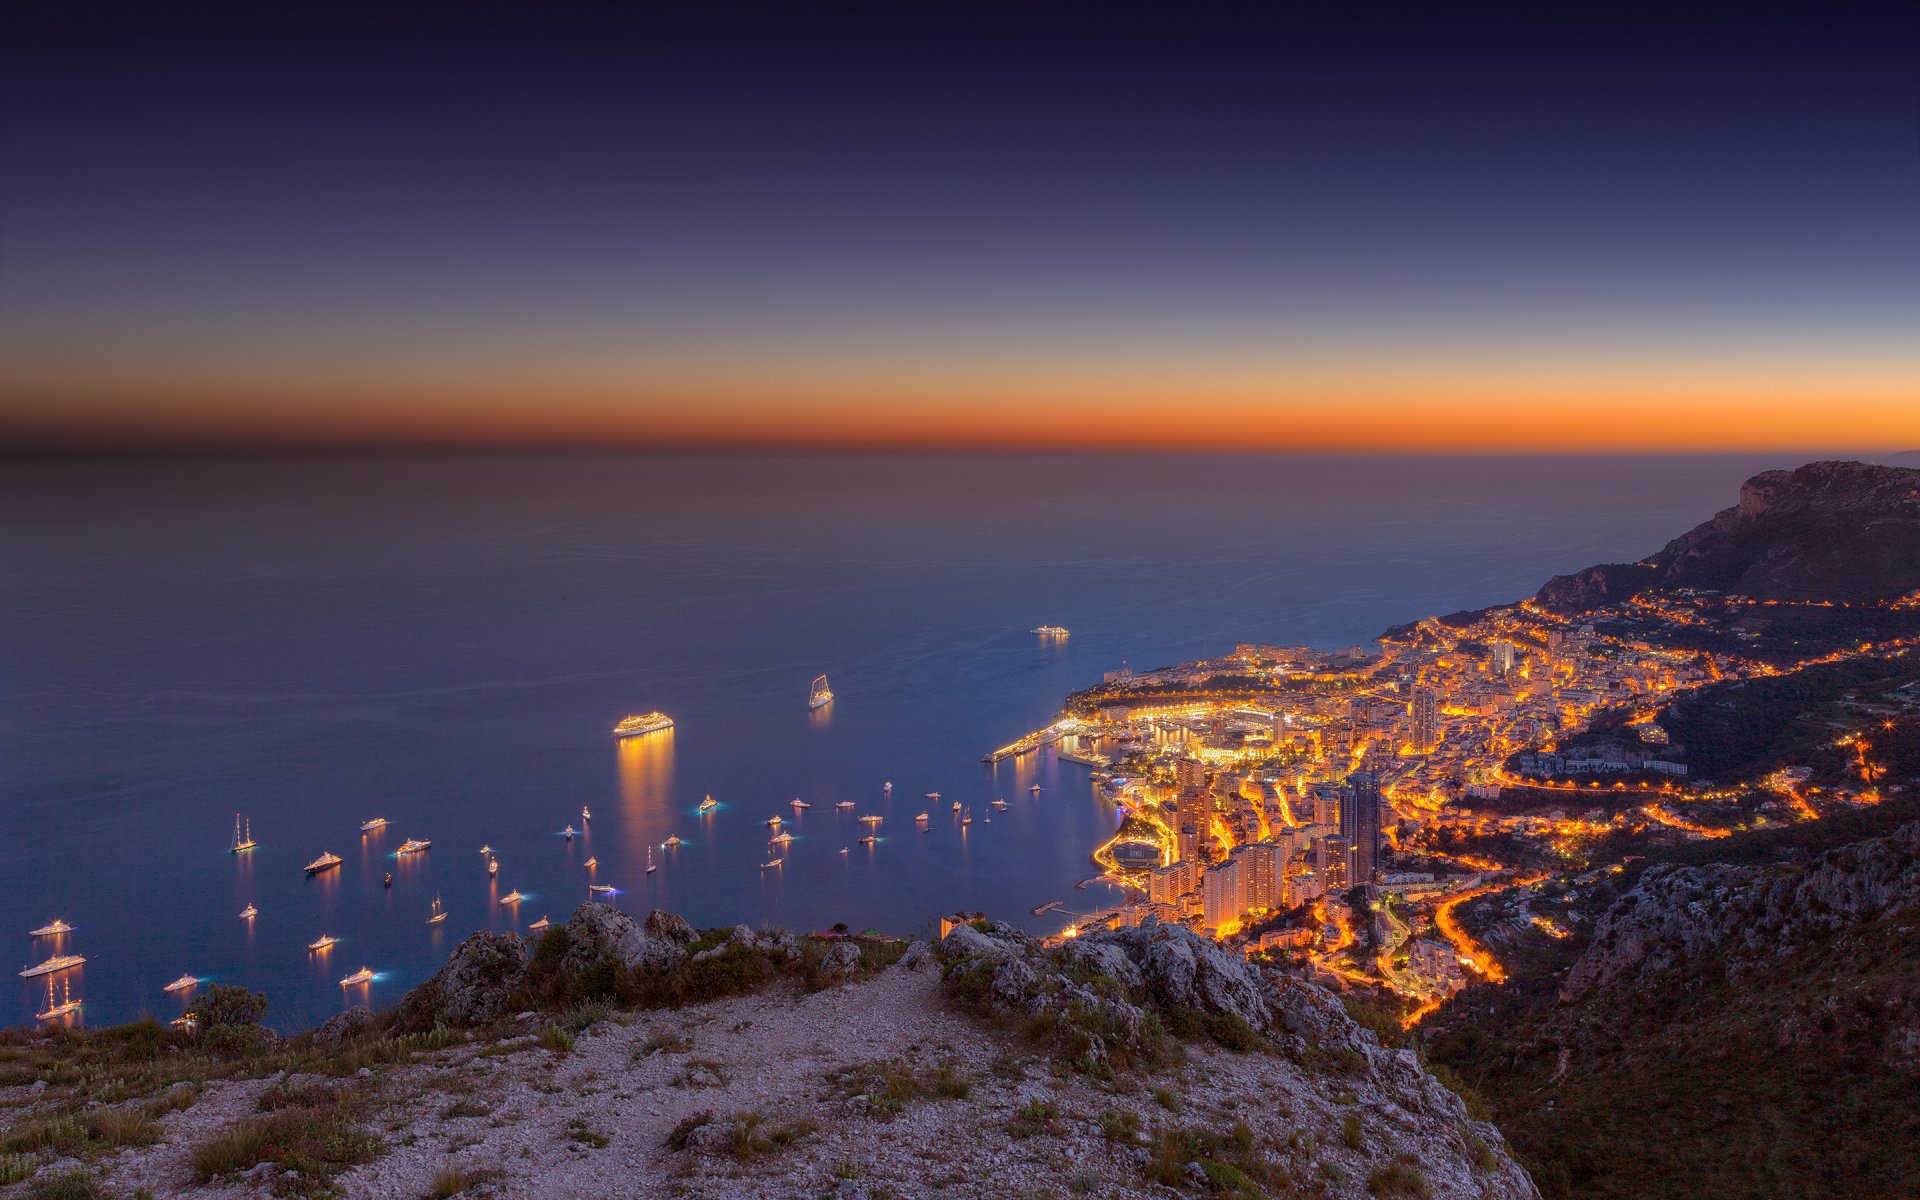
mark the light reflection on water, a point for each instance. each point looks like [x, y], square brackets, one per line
[447, 643]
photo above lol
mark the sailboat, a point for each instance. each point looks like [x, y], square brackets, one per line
[821, 695]
[242, 840]
[67, 1004]
[966, 817]
[651, 866]
[439, 914]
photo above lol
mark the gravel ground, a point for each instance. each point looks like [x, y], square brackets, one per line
[596, 1121]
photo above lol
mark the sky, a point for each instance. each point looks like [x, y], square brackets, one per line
[1627, 226]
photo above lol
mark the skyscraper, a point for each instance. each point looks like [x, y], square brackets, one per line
[1190, 775]
[1426, 720]
[1360, 823]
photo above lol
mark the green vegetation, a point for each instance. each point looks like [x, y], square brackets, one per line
[310, 1134]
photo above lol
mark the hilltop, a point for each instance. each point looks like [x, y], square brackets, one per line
[637, 1059]
[1841, 531]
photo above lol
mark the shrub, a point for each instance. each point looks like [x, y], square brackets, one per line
[68, 1185]
[117, 1127]
[227, 1004]
[1353, 1134]
[1120, 1125]
[61, 1136]
[451, 1181]
[15, 1167]
[949, 1082]
[556, 1039]
[677, 1140]
[1401, 1177]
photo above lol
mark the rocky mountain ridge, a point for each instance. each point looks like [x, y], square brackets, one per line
[1843, 531]
[1750, 914]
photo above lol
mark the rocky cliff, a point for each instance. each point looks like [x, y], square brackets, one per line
[1825, 531]
[616, 1057]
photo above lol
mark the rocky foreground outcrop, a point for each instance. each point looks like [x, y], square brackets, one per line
[1109, 997]
[1825, 531]
[1748, 914]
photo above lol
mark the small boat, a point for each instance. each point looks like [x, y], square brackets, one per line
[513, 897]
[603, 889]
[999, 805]
[844, 804]
[956, 806]
[537, 926]
[886, 789]
[56, 1010]
[870, 819]
[934, 796]
[709, 804]
[651, 865]
[486, 849]
[672, 841]
[363, 975]
[439, 914]
[1035, 789]
[586, 814]
[242, 837]
[325, 942]
[414, 846]
[783, 839]
[868, 840]
[844, 849]
[820, 695]
[797, 802]
[966, 818]
[593, 862]
[326, 862]
[370, 826]
[493, 866]
[641, 723]
[52, 929]
[567, 833]
[771, 863]
[249, 913]
[185, 983]
[774, 820]
[389, 881]
[58, 962]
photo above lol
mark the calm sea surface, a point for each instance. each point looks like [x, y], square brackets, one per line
[446, 643]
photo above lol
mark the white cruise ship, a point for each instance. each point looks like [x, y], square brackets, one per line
[640, 723]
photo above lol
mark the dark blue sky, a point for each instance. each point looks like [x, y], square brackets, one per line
[264, 217]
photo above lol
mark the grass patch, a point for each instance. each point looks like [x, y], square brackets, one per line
[586, 1135]
[451, 1181]
[68, 1185]
[310, 1134]
[1400, 1178]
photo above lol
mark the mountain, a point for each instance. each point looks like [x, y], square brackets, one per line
[1843, 531]
[1730, 1031]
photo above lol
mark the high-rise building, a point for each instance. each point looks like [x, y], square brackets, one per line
[1333, 863]
[1262, 865]
[1168, 884]
[1221, 902]
[1505, 654]
[1360, 823]
[1426, 720]
[1326, 804]
[1190, 775]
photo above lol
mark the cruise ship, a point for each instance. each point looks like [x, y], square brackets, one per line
[821, 695]
[414, 846]
[363, 975]
[326, 862]
[55, 929]
[58, 962]
[638, 724]
[1051, 631]
[185, 983]
[370, 826]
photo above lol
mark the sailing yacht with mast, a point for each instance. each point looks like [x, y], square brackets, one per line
[651, 867]
[439, 914]
[822, 695]
[67, 1004]
[242, 835]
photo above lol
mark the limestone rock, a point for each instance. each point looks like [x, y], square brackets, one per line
[343, 1027]
[474, 986]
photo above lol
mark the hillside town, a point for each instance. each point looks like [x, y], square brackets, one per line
[1333, 811]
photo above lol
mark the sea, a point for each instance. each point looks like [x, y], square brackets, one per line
[308, 644]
